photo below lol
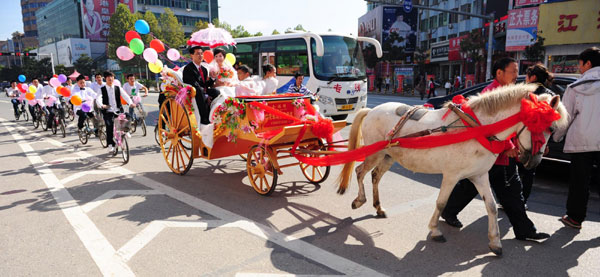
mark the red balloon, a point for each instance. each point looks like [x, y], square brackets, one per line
[131, 35]
[208, 56]
[157, 45]
[55, 76]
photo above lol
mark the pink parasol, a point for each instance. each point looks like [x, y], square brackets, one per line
[211, 37]
[74, 75]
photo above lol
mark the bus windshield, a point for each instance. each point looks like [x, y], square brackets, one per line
[342, 60]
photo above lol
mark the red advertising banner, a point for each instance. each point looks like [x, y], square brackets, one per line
[371, 82]
[400, 83]
[95, 16]
[454, 48]
[527, 2]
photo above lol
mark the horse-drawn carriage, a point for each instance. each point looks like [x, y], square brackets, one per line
[265, 128]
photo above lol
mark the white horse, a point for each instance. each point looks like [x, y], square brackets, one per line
[464, 160]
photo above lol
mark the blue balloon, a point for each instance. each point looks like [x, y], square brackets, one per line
[142, 27]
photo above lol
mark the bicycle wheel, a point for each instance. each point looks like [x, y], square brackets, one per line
[54, 126]
[63, 129]
[25, 114]
[71, 113]
[156, 134]
[82, 133]
[133, 125]
[124, 149]
[44, 121]
[35, 119]
[102, 136]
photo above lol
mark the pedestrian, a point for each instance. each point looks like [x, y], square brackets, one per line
[421, 87]
[456, 83]
[431, 87]
[110, 98]
[387, 84]
[539, 75]
[379, 84]
[582, 136]
[504, 178]
[447, 86]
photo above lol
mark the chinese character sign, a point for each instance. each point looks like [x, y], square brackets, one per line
[95, 16]
[527, 2]
[570, 22]
[521, 28]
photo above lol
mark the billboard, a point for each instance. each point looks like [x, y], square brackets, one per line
[399, 28]
[70, 50]
[369, 25]
[567, 23]
[521, 28]
[454, 48]
[95, 15]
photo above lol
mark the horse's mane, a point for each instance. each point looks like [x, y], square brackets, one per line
[507, 96]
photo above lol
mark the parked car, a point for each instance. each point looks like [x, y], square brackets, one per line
[561, 81]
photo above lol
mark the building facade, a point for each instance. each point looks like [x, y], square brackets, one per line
[188, 12]
[59, 20]
[28, 10]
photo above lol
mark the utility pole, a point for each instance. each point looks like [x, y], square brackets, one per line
[490, 18]
[51, 60]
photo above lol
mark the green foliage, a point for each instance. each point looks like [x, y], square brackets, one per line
[536, 51]
[154, 29]
[33, 68]
[147, 83]
[201, 25]
[370, 56]
[171, 30]
[297, 28]
[119, 23]
[472, 46]
[240, 32]
[84, 65]
[275, 32]
[61, 69]
[259, 34]
[420, 55]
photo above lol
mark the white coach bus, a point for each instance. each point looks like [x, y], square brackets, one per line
[332, 65]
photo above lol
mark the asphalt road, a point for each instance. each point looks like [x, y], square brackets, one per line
[70, 209]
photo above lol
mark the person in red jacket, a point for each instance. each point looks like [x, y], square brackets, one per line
[504, 177]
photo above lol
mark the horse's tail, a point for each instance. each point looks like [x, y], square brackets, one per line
[353, 143]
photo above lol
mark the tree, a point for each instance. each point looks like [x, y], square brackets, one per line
[536, 51]
[240, 32]
[201, 25]
[61, 69]
[171, 30]
[297, 28]
[32, 68]
[84, 65]
[275, 32]
[154, 29]
[258, 34]
[471, 46]
[370, 55]
[119, 23]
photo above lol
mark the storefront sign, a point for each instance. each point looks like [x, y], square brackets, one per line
[569, 23]
[522, 28]
[454, 48]
[439, 52]
[527, 2]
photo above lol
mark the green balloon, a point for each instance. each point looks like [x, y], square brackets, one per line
[137, 46]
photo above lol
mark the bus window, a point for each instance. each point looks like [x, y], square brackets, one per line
[246, 53]
[292, 57]
[267, 46]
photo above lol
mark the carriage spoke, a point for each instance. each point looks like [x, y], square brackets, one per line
[169, 151]
[255, 177]
[181, 155]
[318, 170]
[185, 139]
[269, 173]
[183, 129]
[266, 182]
[261, 184]
[185, 152]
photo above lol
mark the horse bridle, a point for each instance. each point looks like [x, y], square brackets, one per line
[529, 151]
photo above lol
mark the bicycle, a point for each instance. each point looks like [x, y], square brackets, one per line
[40, 118]
[139, 118]
[69, 111]
[21, 111]
[121, 132]
[100, 131]
[59, 122]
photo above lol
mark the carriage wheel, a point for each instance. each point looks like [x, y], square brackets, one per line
[176, 137]
[260, 169]
[314, 174]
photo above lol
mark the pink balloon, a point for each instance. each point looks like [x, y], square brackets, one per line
[173, 54]
[137, 100]
[54, 82]
[124, 53]
[32, 102]
[150, 55]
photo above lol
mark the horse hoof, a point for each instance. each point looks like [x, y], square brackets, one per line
[381, 214]
[356, 204]
[497, 251]
[438, 238]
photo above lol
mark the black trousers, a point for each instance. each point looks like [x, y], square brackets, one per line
[582, 171]
[203, 105]
[15, 104]
[109, 118]
[32, 112]
[506, 184]
[527, 176]
[81, 116]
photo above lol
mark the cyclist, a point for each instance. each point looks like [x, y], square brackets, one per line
[133, 88]
[38, 96]
[110, 98]
[86, 94]
[51, 102]
[14, 94]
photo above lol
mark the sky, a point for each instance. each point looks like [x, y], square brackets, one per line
[12, 20]
[341, 16]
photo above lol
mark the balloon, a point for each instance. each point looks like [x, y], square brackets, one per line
[55, 76]
[173, 54]
[123, 102]
[137, 46]
[54, 82]
[157, 45]
[156, 67]
[29, 96]
[66, 92]
[131, 35]
[32, 102]
[22, 87]
[22, 78]
[137, 100]
[75, 100]
[50, 101]
[208, 56]
[230, 58]
[32, 89]
[86, 107]
[142, 26]
[124, 53]
[150, 55]
[62, 78]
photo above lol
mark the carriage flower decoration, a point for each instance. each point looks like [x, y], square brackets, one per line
[229, 115]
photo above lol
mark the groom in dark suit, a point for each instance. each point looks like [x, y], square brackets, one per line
[196, 75]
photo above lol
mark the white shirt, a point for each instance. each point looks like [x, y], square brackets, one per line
[112, 102]
[269, 85]
[248, 87]
[86, 94]
[39, 93]
[96, 87]
[13, 92]
[447, 85]
[128, 88]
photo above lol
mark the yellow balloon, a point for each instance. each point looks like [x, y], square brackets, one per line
[32, 89]
[156, 67]
[230, 58]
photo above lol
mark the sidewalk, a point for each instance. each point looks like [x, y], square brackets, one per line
[409, 93]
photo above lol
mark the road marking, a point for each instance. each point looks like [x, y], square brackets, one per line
[87, 207]
[100, 249]
[151, 105]
[112, 263]
[4, 101]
